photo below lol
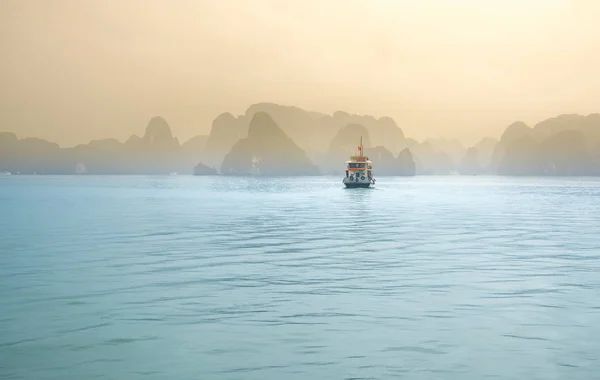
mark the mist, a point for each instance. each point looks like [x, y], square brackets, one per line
[73, 71]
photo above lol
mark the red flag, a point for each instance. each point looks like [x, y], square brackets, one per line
[359, 148]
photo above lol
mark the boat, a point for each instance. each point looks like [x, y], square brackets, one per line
[359, 170]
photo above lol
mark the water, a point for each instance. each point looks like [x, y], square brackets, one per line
[230, 278]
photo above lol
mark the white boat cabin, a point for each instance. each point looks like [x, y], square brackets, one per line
[359, 167]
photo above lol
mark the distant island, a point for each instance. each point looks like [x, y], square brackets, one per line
[276, 140]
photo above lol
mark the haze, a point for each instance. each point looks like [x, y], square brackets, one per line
[72, 71]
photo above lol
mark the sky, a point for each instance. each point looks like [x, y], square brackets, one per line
[76, 70]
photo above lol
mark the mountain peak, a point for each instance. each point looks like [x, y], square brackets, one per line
[158, 130]
[515, 131]
[267, 150]
[225, 117]
[350, 135]
[262, 124]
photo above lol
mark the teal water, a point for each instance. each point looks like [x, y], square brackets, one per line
[233, 278]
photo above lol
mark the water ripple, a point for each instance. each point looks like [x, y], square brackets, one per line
[230, 278]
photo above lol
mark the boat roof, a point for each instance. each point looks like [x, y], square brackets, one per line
[353, 161]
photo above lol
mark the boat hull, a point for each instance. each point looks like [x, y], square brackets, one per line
[355, 185]
[361, 183]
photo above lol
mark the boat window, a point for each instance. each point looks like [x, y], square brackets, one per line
[355, 165]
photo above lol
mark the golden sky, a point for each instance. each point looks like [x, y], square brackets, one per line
[75, 70]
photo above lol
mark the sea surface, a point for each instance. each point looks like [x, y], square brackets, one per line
[182, 277]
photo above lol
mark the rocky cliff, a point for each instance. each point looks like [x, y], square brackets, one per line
[565, 145]
[311, 131]
[385, 164]
[267, 151]
[157, 152]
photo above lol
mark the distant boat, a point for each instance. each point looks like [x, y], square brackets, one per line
[6, 173]
[173, 173]
[359, 170]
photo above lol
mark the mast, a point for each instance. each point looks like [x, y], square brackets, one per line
[361, 146]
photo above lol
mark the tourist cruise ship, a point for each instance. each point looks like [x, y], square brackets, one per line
[359, 170]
